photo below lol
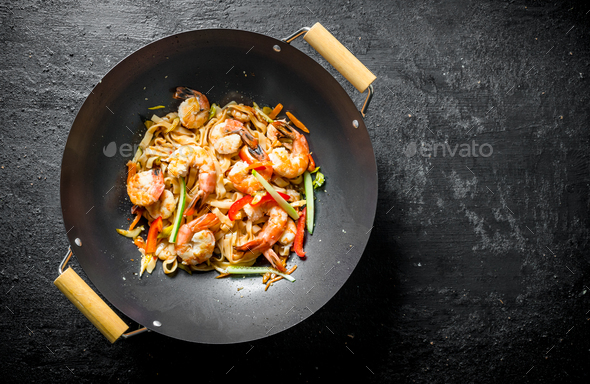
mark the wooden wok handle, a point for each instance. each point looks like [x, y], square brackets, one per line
[91, 305]
[345, 62]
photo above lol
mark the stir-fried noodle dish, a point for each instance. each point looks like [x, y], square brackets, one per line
[221, 186]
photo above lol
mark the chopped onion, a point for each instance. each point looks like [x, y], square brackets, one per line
[262, 114]
[132, 234]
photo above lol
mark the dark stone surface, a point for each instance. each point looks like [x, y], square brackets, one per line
[477, 269]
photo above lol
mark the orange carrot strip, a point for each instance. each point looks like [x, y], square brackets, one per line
[290, 271]
[222, 275]
[276, 111]
[139, 242]
[136, 220]
[297, 123]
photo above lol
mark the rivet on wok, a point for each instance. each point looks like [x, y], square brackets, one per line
[277, 48]
[157, 323]
[78, 242]
[355, 123]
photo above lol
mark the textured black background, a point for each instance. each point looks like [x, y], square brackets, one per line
[477, 269]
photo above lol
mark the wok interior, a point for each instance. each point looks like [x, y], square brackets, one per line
[226, 65]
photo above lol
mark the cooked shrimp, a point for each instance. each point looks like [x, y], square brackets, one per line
[268, 236]
[165, 250]
[195, 243]
[289, 164]
[164, 206]
[144, 188]
[271, 231]
[194, 110]
[288, 235]
[241, 116]
[242, 179]
[199, 250]
[227, 136]
[240, 175]
[194, 156]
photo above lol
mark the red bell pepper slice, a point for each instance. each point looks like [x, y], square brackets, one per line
[152, 238]
[311, 166]
[268, 197]
[298, 242]
[237, 206]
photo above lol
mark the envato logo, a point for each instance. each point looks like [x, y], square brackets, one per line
[441, 150]
[125, 150]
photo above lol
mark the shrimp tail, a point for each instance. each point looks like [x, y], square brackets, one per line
[190, 210]
[258, 153]
[184, 93]
[203, 222]
[184, 235]
[274, 260]
[285, 129]
[202, 201]
[248, 153]
[248, 138]
[251, 246]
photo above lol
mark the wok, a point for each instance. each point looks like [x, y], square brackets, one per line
[226, 65]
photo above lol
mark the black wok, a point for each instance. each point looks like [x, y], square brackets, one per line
[227, 65]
